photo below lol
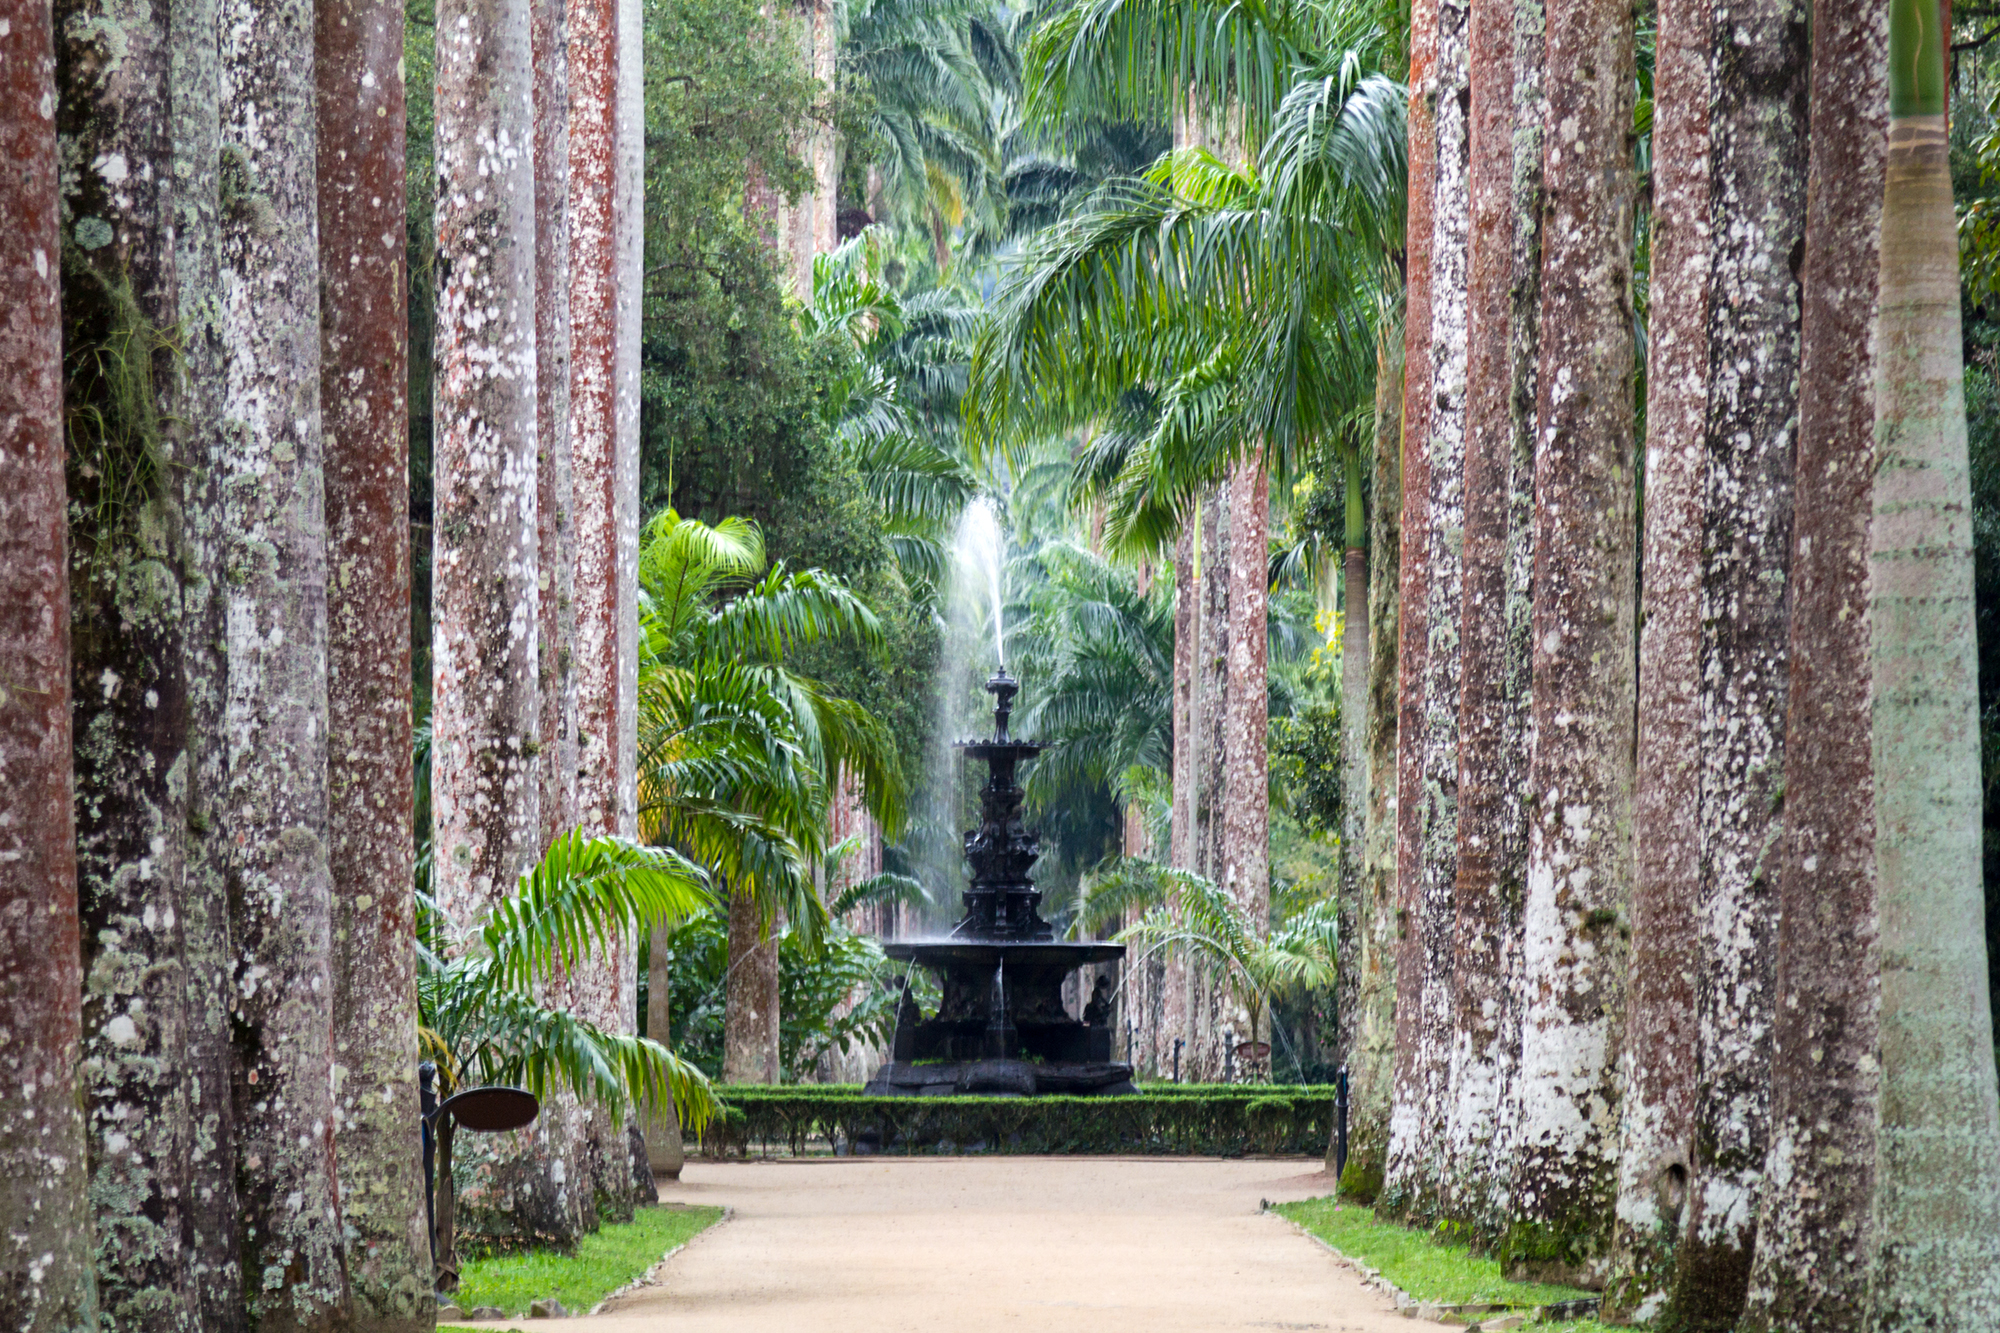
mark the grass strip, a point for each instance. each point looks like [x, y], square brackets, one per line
[1426, 1268]
[604, 1261]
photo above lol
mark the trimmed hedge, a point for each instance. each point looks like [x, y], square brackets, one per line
[1194, 1119]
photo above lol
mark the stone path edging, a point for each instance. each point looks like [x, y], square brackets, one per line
[654, 1275]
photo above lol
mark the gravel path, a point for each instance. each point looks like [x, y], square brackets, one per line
[1017, 1243]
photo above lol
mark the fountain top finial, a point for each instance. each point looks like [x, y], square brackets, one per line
[1002, 687]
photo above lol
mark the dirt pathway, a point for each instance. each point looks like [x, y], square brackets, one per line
[1016, 1243]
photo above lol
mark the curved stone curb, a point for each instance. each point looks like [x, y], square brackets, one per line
[653, 1276]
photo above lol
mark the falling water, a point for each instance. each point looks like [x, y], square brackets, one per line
[979, 552]
[973, 639]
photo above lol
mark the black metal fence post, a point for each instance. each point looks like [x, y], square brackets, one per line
[1228, 1057]
[1340, 1124]
[1177, 1059]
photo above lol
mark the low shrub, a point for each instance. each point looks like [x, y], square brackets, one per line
[1219, 1121]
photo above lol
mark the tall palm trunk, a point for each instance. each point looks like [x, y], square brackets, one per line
[1371, 1059]
[486, 715]
[1656, 1152]
[1937, 1202]
[364, 373]
[215, 1247]
[1579, 849]
[1353, 753]
[1503, 73]
[1246, 839]
[1417, 1168]
[1405, 1094]
[1818, 1196]
[1758, 60]
[272, 462]
[46, 1278]
[128, 692]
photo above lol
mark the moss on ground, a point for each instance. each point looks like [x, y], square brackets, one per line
[603, 1262]
[1425, 1267]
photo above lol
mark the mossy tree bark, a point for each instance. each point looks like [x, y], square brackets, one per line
[1758, 56]
[1245, 869]
[1372, 1057]
[46, 1278]
[130, 715]
[1417, 1142]
[364, 373]
[1504, 49]
[1937, 1200]
[272, 463]
[1656, 1151]
[1579, 849]
[1405, 1091]
[1814, 1229]
[750, 1012]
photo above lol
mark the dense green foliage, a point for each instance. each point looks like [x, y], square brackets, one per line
[1206, 1120]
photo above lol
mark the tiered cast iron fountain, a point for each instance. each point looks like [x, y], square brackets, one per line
[1001, 1027]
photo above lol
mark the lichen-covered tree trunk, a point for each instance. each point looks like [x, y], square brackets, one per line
[1210, 1014]
[1504, 251]
[364, 373]
[1167, 977]
[1579, 847]
[1371, 1061]
[46, 1278]
[1417, 1167]
[1656, 1150]
[1758, 61]
[485, 715]
[750, 1014]
[1811, 1268]
[271, 462]
[1246, 838]
[1937, 1200]
[555, 492]
[128, 684]
[1354, 761]
[214, 1244]
[1405, 1093]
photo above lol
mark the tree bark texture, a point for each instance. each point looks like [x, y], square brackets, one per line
[1372, 1062]
[1758, 62]
[485, 715]
[46, 1278]
[750, 999]
[1210, 1012]
[1937, 1202]
[555, 492]
[364, 374]
[809, 226]
[1814, 1235]
[1656, 1151]
[1417, 1143]
[1406, 1081]
[1354, 791]
[1504, 251]
[1246, 837]
[593, 95]
[215, 1244]
[1167, 976]
[1579, 850]
[128, 691]
[275, 724]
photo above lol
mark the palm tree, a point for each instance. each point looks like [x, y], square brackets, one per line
[1194, 919]
[738, 754]
[484, 1021]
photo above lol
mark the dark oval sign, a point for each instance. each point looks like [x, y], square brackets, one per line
[491, 1110]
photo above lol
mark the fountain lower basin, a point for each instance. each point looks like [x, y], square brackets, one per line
[1001, 1027]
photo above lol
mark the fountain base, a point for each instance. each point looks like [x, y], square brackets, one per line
[1001, 1028]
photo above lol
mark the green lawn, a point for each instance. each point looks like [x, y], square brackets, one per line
[1421, 1266]
[602, 1263]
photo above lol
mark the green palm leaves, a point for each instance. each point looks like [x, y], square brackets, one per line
[738, 753]
[482, 989]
